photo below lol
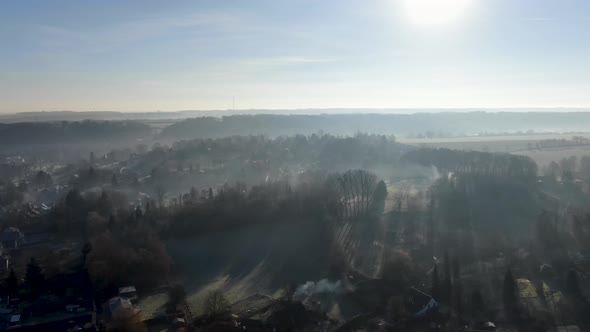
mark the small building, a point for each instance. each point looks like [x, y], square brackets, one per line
[56, 321]
[178, 323]
[252, 305]
[11, 238]
[14, 320]
[121, 308]
[128, 292]
[419, 303]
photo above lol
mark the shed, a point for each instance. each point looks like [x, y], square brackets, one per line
[128, 292]
[11, 237]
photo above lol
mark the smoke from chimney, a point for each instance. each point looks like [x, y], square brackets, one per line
[323, 286]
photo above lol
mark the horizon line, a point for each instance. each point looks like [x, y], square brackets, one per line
[318, 109]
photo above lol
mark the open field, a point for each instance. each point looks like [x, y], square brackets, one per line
[545, 156]
[508, 143]
[520, 145]
[490, 138]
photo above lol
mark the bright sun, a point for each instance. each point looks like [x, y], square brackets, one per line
[435, 12]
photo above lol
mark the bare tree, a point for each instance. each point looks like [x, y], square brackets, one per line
[357, 188]
[398, 199]
[176, 295]
[160, 195]
[215, 304]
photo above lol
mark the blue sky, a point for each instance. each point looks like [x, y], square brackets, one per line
[114, 55]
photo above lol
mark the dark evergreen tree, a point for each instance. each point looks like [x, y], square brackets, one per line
[379, 196]
[74, 200]
[42, 178]
[510, 296]
[86, 249]
[457, 288]
[575, 296]
[572, 285]
[103, 204]
[435, 291]
[111, 222]
[447, 291]
[176, 296]
[138, 212]
[477, 305]
[12, 284]
[456, 270]
[34, 278]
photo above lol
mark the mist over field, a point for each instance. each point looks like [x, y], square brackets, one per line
[339, 214]
[294, 166]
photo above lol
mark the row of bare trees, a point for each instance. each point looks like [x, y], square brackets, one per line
[360, 193]
[519, 168]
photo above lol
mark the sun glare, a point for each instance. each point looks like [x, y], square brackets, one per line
[435, 12]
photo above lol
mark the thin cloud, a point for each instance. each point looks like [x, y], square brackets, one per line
[538, 19]
[286, 60]
[55, 39]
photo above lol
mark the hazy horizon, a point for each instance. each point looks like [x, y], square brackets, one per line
[326, 110]
[295, 165]
[208, 55]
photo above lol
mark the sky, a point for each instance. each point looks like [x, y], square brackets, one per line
[147, 55]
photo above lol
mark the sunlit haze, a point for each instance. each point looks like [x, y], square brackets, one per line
[295, 165]
[273, 54]
[435, 12]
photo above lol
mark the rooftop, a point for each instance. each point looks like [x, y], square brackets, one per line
[127, 289]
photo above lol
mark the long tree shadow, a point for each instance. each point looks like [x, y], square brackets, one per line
[276, 254]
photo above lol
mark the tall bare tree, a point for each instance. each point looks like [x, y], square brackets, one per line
[215, 303]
